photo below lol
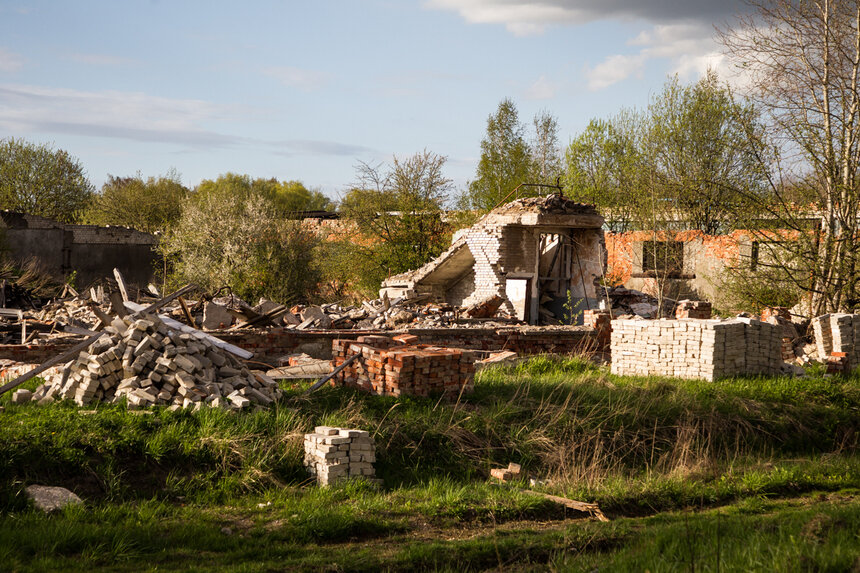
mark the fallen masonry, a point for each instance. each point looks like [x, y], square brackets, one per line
[335, 454]
[395, 366]
[695, 348]
[146, 362]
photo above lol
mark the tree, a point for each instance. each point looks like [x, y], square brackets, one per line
[397, 210]
[545, 153]
[697, 138]
[148, 205]
[290, 198]
[42, 181]
[604, 166]
[242, 242]
[802, 62]
[293, 197]
[505, 158]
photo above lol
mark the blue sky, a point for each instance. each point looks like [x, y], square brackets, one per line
[306, 89]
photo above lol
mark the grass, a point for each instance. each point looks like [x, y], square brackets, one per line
[675, 464]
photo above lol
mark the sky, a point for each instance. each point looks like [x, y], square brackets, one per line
[305, 90]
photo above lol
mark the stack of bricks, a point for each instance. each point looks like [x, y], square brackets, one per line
[693, 309]
[396, 366]
[334, 454]
[838, 334]
[601, 321]
[695, 349]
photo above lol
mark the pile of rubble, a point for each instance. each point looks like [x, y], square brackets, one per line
[145, 362]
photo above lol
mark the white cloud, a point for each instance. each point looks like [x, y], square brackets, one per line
[542, 88]
[307, 80]
[613, 70]
[523, 17]
[689, 48]
[113, 114]
[9, 61]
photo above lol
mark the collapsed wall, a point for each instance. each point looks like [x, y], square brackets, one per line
[695, 348]
[838, 333]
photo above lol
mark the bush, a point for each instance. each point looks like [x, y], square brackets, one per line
[221, 240]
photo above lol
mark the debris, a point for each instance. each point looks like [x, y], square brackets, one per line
[506, 474]
[216, 317]
[487, 308]
[591, 508]
[48, 498]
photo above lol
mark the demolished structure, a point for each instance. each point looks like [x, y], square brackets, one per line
[542, 255]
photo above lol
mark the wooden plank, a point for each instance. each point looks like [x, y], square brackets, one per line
[64, 357]
[334, 373]
[120, 282]
[117, 305]
[187, 312]
[269, 317]
[176, 325]
[591, 508]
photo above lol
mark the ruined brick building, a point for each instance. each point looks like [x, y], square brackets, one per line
[541, 254]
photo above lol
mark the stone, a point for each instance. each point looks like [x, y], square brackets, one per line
[216, 316]
[21, 396]
[48, 498]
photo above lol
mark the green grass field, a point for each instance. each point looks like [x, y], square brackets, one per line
[737, 475]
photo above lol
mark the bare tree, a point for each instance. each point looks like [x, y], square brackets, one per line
[802, 58]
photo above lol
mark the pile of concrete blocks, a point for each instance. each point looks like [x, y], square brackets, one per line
[693, 309]
[335, 454]
[396, 366]
[696, 349]
[838, 335]
[146, 363]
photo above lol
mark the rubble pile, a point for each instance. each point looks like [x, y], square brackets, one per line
[629, 302]
[147, 363]
[335, 454]
[396, 366]
[696, 349]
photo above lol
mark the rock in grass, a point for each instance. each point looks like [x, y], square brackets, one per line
[21, 396]
[50, 499]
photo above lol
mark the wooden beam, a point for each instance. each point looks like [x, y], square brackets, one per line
[334, 373]
[86, 343]
[591, 508]
[187, 312]
[120, 282]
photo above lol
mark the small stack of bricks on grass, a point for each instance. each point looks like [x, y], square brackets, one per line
[335, 454]
[148, 363]
[397, 366]
[696, 349]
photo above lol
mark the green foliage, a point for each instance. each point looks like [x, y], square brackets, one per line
[149, 205]
[397, 209]
[507, 159]
[688, 157]
[289, 198]
[42, 181]
[240, 239]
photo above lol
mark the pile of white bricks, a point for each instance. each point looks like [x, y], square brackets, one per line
[334, 454]
[695, 348]
[147, 363]
[838, 333]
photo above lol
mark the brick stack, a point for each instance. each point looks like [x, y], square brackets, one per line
[838, 333]
[695, 349]
[147, 363]
[693, 309]
[334, 454]
[601, 321]
[388, 367]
